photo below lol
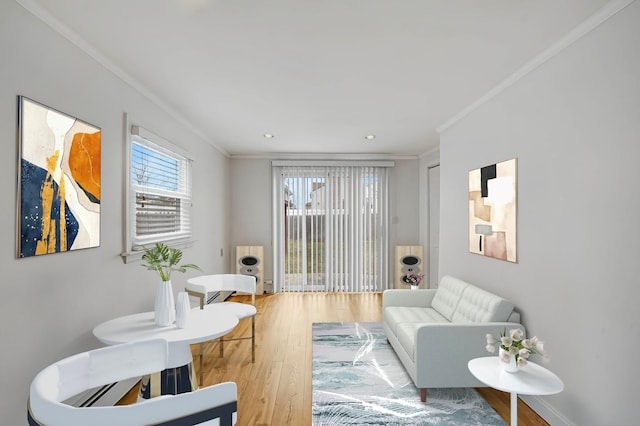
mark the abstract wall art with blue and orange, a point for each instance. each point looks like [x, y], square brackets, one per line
[58, 181]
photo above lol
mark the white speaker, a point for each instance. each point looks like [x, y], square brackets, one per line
[409, 260]
[250, 261]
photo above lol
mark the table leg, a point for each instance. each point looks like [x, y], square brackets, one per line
[171, 381]
[514, 409]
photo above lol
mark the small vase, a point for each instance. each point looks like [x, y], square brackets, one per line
[414, 287]
[512, 365]
[183, 307]
[165, 308]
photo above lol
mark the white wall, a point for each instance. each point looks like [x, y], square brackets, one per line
[405, 209]
[251, 209]
[50, 304]
[251, 205]
[429, 237]
[574, 125]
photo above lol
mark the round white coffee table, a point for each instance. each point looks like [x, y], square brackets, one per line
[203, 325]
[531, 379]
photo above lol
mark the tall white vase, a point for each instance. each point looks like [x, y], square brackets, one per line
[183, 307]
[165, 307]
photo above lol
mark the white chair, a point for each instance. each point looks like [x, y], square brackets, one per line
[201, 286]
[214, 405]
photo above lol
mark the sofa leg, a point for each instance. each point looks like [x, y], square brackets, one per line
[423, 394]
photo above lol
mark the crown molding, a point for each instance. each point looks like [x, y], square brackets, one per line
[39, 12]
[595, 20]
[328, 156]
[433, 151]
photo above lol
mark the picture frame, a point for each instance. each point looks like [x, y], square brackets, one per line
[58, 194]
[493, 211]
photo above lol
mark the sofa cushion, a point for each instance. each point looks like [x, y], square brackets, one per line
[395, 315]
[407, 337]
[407, 333]
[478, 305]
[448, 295]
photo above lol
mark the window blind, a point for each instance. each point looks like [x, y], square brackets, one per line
[330, 228]
[161, 190]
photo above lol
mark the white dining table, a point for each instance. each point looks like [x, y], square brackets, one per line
[206, 324]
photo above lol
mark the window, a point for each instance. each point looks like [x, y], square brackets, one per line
[159, 200]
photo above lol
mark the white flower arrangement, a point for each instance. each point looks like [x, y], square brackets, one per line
[514, 344]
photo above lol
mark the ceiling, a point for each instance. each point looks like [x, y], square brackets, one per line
[319, 75]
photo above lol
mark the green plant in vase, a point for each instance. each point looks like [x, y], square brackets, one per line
[165, 260]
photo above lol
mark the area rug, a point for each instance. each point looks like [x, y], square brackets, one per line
[359, 380]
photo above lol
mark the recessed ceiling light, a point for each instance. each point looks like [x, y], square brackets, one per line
[369, 137]
[268, 135]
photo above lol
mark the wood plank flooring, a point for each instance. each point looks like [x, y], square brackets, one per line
[276, 389]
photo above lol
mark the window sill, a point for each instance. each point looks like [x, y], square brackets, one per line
[136, 255]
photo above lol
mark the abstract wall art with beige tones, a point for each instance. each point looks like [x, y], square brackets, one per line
[58, 181]
[492, 210]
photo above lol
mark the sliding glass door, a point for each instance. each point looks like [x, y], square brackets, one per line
[304, 231]
[330, 228]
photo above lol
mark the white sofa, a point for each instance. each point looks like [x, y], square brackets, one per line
[435, 332]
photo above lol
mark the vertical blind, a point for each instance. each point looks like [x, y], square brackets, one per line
[330, 225]
[161, 191]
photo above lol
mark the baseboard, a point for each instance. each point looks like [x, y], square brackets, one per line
[104, 396]
[546, 411]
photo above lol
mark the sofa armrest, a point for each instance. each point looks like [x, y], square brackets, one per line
[420, 298]
[514, 317]
[444, 349]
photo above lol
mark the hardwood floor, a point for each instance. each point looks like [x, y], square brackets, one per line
[276, 389]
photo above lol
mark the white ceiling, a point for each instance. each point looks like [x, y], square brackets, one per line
[318, 74]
